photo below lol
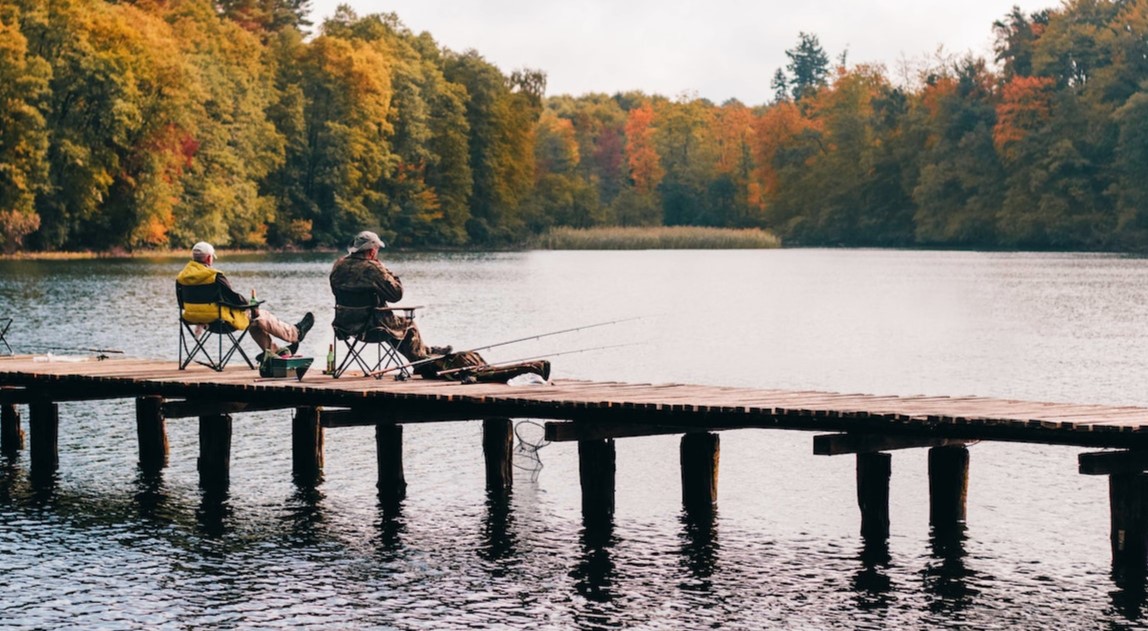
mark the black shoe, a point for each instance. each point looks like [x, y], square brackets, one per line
[305, 325]
[289, 350]
[441, 350]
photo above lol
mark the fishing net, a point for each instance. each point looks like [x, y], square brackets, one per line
[531, 437]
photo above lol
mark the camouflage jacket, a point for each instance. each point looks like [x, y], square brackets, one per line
[353, 273]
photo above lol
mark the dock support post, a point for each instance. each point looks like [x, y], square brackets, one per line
[214, 452]
[1128, 497]
[497, 450]
[11, 434]
[873, 471]
[389, 442]
[596, 467]
[306, 446]
[152, 434]
[700, 453]
[948, 485]
[44, 430]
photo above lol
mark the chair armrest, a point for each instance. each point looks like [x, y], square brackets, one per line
[246, 305]
[409, 310]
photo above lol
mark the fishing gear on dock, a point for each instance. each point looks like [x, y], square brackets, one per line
[406, 367]
[101, 353]
[531, 438]
[510, 362]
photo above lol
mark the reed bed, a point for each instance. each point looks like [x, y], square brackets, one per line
[657, 238]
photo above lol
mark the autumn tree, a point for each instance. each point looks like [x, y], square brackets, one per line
[808, 68]
[959, 190]
[641, 206]
[118, 112]
[1016, 35]
[1131, 187]
[334, 164]
[265, 17]
[728, 193]
[24, 83]
[500, 115]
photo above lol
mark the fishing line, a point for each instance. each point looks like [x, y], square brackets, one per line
[435, 358]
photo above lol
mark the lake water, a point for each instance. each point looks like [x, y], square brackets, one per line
[106, 548]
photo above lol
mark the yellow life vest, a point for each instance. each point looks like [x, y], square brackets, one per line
[196, 274]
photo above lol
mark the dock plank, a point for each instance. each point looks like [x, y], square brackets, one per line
[667, 405]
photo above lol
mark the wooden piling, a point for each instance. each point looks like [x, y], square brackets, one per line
[44, 430]
[151, 432]
[11, 434]
[873, 472]
[1128, 498]
[700, 453]
[306, 446]
[214, 452]
[498, 451]
[596, 468]
[389, 443]
[948, 485]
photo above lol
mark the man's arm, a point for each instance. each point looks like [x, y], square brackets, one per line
[230, 296]
[388, 286]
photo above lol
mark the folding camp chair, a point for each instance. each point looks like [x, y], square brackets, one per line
[195, 336]
[4, 324]
[370, 334]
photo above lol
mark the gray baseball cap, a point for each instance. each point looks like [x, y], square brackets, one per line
[365, 240]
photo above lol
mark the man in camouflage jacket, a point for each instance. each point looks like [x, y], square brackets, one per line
[361, 271]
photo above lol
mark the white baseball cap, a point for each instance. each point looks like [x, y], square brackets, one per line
[200, 251]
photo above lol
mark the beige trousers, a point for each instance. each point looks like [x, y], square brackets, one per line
[266, 325]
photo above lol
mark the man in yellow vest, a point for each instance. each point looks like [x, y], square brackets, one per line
[261, 323]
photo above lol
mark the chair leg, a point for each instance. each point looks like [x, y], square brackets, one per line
[236, 346]
[203, 346]
[341, 367]
[198, 348]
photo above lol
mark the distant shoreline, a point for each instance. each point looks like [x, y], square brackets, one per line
[144, 254]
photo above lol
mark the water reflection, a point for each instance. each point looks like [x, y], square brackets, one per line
[151, 497]
[872, 585]
[214, 513]
[306, 517]
[498, 539]
[699, 550]
[946, 574]
[595, 576]
[42, 484]
[391, 526]
[1130, 595]
[11, 480]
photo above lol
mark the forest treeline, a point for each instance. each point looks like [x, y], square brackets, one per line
[155, 123]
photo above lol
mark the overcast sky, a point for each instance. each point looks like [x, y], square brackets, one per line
[717, 49]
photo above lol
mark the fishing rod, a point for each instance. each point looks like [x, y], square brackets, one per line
[510, 362]
[434, 358]
[75, 348]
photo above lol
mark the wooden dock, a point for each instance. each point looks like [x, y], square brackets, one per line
[594, 414]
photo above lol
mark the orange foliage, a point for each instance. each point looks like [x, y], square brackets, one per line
[732, 130]
[936, 92]
[153, 232]
[556, 145]
[1026, 104]
[645, 168]
[776, 128]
